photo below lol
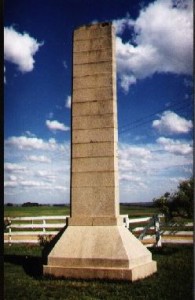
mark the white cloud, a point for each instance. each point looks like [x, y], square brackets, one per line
[39, 158]
[28, 143]
[171, 123]
[30, 134]
[20, 49]
[162, 43]
[175, 146]
[36, 170]
[55, 125]
[145, 170]
[23, 142]
[133, 162]
[13, 167]
[10, 184]
[13, 177]
[121, 24]
[126, 81]
[129, 177]
[68, 102]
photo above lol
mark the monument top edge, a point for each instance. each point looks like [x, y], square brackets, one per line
[94, 25]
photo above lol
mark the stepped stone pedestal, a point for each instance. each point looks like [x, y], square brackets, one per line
[96, 244]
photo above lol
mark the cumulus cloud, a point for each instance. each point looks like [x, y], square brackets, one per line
[30, 134]
[55, 125]
[127, 151]
[121, 24]
[171, 123]
[129, 177]
[28, 143]
[175, 146]
[23, 142]
[162, 42]
[68, 102]
[36, 168]
[10, 184]
[131, 159]
[39, 158]
[13, 167]
[20, 49]
[145, 170]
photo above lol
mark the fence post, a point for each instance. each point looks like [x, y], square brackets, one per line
[126, 222]
[44, 223]
[10, 232]
[157, 231]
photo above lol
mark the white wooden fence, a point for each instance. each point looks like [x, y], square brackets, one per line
[151, 232]
[31, 229]
[147, 230]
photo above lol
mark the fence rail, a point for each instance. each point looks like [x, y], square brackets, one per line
[28, 228]
[147, 230]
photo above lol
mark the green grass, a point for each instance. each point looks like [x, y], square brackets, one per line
[23, 278]
[19, 211]
[137, 211]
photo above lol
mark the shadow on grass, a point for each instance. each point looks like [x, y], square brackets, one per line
[167, 250]
[33, 265]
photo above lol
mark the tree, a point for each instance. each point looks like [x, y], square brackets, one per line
[183, 198]
[29, 204]
[9, 204]
[179, 203]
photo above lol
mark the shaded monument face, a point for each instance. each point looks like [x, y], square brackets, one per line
[96, 244]
[94, 184]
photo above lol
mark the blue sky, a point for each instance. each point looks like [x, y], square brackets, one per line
[154, 95]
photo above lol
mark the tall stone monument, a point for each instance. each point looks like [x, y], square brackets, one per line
[96, 244]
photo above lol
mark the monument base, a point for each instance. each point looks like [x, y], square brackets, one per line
[103, 252]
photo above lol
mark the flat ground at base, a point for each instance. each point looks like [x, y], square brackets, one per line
[23, 278]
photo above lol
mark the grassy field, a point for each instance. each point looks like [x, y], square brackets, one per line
[23, 278]
[45, 210]
[137, 211]
[19, 211]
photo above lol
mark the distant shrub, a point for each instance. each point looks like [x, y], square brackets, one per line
[27, 204]
[44, 239]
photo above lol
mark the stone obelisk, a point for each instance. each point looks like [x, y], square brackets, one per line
[96, 244]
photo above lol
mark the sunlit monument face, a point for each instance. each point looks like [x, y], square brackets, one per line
[96, 244]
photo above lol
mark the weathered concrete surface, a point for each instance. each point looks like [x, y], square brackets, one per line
[94, 149]
[110, 252]
[93, 122]
[93, 108]
[93, 94]
[94, 135]
[92, 69]
[94, 179]
[90, 179]
[95, 243]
